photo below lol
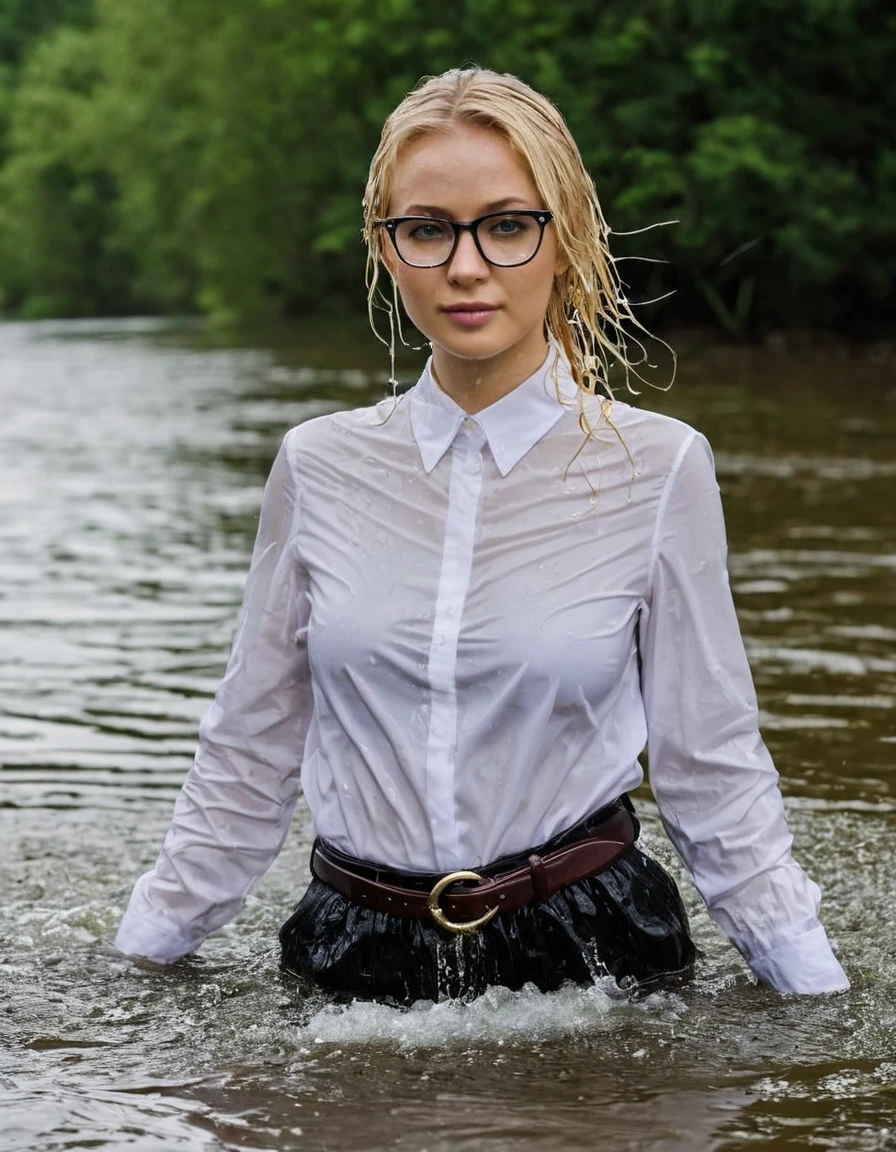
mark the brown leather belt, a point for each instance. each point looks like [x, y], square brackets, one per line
[467, 909]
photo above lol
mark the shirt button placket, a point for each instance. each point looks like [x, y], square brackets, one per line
[454, 583]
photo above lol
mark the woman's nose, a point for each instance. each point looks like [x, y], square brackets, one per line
[467, 262]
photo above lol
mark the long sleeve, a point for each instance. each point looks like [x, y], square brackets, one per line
[711, 774]
[233, 813]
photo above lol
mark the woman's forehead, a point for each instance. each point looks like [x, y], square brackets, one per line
[469, 169]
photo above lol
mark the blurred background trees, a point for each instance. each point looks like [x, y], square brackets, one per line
[209, 155]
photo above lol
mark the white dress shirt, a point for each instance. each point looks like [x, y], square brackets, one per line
[458, 634]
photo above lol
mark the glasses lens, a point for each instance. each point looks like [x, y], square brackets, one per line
[424, 243]
[509, 239]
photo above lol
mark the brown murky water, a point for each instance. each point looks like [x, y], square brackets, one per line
[131, 460]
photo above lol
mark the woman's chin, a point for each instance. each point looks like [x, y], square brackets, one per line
[476, 344]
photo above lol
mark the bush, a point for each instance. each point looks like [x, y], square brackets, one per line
[191, 154]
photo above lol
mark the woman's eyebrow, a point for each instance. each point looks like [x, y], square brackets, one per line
[434, 210]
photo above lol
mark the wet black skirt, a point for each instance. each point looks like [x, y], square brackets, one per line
[627, 922]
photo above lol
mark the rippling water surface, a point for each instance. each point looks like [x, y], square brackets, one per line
[131, 463]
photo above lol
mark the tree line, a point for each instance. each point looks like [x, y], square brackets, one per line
[209, 155]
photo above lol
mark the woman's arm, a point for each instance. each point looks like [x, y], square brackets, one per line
[711, 774]
[233, 813]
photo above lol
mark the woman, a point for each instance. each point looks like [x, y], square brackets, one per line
[466, 614]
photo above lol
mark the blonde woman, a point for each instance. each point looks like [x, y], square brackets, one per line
[469, 611]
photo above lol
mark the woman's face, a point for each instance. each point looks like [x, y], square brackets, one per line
[461, 175]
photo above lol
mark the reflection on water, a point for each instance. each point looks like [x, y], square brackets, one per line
[131, 464]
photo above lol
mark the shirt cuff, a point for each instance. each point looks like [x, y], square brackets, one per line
[805, 964]
[150, 934]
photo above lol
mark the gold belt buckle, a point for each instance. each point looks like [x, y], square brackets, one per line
[470, 926]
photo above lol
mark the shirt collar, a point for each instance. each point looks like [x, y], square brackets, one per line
[512, 425]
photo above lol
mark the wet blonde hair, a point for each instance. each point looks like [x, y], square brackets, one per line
[588, 314]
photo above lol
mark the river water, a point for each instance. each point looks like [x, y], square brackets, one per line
[131, 462]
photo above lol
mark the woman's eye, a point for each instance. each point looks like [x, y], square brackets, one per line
[509, 226]
[428, 232]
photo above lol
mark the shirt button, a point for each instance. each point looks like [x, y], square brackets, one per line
[473, 432]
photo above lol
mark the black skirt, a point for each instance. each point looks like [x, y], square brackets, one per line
[627, 922]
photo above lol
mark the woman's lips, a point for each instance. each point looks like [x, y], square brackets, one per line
[471, 315]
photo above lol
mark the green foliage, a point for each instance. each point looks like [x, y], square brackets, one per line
[211, 154]
[24, 21]
[58, 248]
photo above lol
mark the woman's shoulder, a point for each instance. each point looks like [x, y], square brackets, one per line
[659, 425]
[330, 430]
[658, 440]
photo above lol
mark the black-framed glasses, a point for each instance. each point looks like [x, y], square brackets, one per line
[505, 239]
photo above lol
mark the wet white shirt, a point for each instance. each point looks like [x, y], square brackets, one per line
[458, 634]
